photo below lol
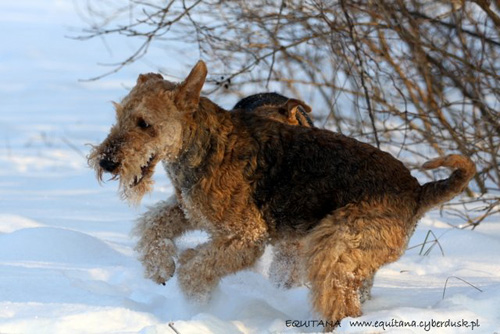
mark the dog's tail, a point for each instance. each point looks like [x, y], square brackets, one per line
[437, 192]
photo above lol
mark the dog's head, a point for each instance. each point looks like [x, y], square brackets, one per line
[278, 108]
[148, 129]
[292, 112]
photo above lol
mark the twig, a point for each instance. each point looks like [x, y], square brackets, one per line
[352, 33]
[171, 325]
[461, 279]
[273, 58]
[434, 242]
[73, 147]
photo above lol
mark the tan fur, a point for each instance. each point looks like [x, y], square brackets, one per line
[367, 236]
[435, 193]
[156, 231]
[156, 243]
[344, 207]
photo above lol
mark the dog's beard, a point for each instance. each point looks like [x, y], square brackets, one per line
[133, 194]
[138, 181]
[93, 161]
[135, 180]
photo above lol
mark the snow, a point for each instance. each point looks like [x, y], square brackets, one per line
[67, 263]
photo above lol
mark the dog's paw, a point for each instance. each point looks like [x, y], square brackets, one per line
[365, 290]
[161, 273]
[197, 281]
[158, 261]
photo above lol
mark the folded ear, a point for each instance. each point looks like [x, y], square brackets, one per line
[292, 105]
[148, 76]
[190, 89]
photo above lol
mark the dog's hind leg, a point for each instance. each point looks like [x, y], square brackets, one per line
[286, 270]
[344, 251]
[156, 229]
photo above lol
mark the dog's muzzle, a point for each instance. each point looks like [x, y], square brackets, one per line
[108, 165]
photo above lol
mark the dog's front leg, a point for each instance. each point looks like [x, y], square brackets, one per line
[156, 229]
[223, 255]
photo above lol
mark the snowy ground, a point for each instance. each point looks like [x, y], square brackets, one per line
[66, 258]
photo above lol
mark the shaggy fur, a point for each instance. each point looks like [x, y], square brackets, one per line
[156, 241]
[286, 268]
[249, 181]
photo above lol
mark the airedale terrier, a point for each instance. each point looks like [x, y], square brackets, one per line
[249, 181]
[154, 237]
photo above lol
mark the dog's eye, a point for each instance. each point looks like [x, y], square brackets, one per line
[143, 124]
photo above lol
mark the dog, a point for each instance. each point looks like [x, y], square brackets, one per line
[293, 116]
[154, 240]
[250, 181]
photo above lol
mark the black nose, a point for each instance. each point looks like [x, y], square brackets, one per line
[108, 165]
